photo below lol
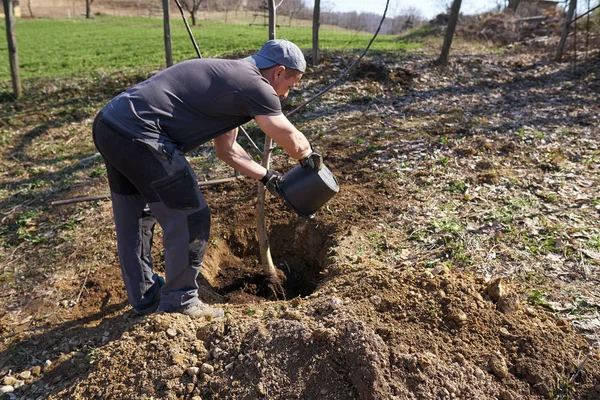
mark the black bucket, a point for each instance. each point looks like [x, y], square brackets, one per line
[307, 190]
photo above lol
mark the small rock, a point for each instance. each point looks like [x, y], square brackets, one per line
[196, 398]
[296, 302]
[260, 389]
[508, 305]
[171, 332]
[177, 358]
[18, 384]
[376, 300]
[25, 375]
[9, 380]
[6, 389]
[440, 269]
[563, 324]
[498, 366]
[193, 371]
[496, 289]
[336, 303]
[458, 317]
[506, 395]
[459, 358]
[479, 373]
[207, 369]
[47, 364]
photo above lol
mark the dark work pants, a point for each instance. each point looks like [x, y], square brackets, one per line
[156, 174]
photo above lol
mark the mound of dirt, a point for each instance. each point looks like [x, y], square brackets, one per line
[372, 331]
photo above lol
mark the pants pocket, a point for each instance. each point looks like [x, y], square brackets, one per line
[178, 191]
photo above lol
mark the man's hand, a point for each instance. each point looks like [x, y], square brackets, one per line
[314, 160]
[271, 181]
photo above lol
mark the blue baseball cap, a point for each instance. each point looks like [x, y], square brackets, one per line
[279, 52]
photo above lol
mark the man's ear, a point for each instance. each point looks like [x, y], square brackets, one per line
[280, 71]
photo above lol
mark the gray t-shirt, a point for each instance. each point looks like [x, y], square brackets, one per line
[193, 102]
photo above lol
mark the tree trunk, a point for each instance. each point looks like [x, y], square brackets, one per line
[513, 4]
[193, 13]
[565, 30]
[29, 7]
[454, 13]
[261, 225]
[167, 29]
[12, 47]
[315, 32]
[88, 8]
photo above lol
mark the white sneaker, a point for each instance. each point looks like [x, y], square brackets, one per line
[198, 310]
[203, 310]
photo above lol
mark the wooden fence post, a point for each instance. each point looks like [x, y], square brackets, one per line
[167, 28]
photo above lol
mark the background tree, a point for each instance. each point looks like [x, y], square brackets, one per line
[315, 32]
[291, 9]
[453, 21]
[565, 30]
[12, 47]
[88, 8]
[192, 6]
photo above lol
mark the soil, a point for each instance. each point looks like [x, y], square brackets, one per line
[460, 259]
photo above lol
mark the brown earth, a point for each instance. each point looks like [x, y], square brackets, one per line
[459, 260]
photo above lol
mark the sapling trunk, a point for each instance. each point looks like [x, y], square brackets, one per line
[275, 277]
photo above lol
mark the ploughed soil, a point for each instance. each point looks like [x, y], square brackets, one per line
[460, 259]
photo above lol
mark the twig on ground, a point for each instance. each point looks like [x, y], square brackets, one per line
[83, 285]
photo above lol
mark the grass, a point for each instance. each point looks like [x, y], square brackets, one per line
[60, 48]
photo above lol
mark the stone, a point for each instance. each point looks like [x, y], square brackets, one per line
[508, 305]
[458, 317]
[498, 366]
[506, 395]
[47, 364]
[335, 303]
[193, 371]
[25, 375]
[207, 369]
[9, 380]
[376, 300]
[496, 289]
[36, 370]
[171, 332]
[177, 358]
[260, 389]
[6, 389]
[479, 373]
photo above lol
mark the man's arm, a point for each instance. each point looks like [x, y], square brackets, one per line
[235, 156]
[281, 130]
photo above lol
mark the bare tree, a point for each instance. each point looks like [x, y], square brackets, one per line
[291, 8]
[12, 47]
[565, 30]
[315, 32]
[192, 6]
[88, 8]
[454, 13]
[513, 4]
[29, 7]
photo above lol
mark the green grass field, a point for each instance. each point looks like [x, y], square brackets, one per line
[60, 48]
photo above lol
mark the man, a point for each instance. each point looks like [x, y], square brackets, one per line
[143, 134]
